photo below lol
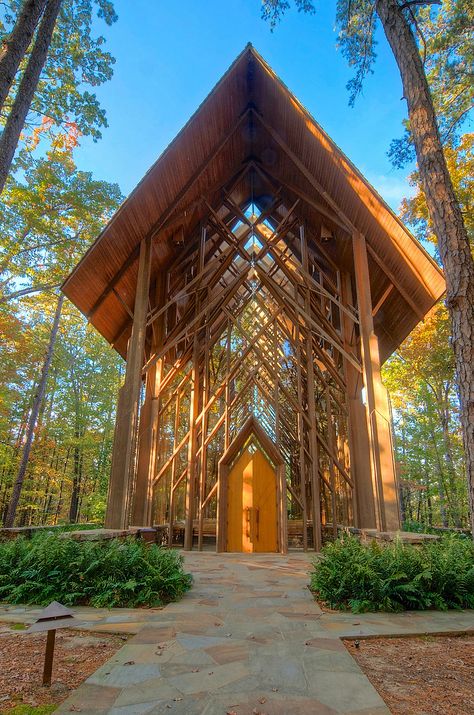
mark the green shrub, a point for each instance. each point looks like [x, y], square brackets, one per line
[102, 574]
[397, 576]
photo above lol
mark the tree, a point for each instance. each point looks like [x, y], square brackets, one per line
[37, 402]
[49, 219]
[356, 20]
[420, 378]
[15, 46]
[48, 94]
[70, 455]
[27, 87]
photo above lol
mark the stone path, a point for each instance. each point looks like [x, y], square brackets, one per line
[248, 639]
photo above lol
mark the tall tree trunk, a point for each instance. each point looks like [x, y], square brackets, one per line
[77, 456]
[16, 44]
[76, 482]
[450, 468]
[17, 116]
[445, 214]
[17, 487]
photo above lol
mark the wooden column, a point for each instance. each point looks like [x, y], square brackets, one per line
[227, 387]
[313, 437]
[302, 457]
[204, 426]
[276, 397]
[193, 413]
[123, 456]
[359, 445]
[149, 417]
[173, 469]
[378, 414]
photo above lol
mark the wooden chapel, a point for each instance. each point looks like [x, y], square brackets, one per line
[254, 282]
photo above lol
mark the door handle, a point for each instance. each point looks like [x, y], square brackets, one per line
[247, 522]
[257, 522]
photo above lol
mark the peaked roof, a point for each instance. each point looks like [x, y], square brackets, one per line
[250, 115]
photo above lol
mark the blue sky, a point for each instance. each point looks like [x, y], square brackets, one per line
[170, 55]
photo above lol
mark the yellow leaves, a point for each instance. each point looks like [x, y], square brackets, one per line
[34, 138]
[68, 139]
[63, 137]
[460, 161]
[425, 358]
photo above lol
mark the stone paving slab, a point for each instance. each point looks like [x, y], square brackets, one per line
[248, 638]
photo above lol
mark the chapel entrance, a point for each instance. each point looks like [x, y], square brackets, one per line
[252, 503]
[252, 498]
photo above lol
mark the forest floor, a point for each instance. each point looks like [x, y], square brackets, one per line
[77, 655]
[427, 675]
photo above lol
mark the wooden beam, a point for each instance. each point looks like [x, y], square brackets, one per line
[122, 473]
[379, 423]
[113, 282]
[382, 299]
[193, 411]
[148, 437]
[348, 225]
[169, 210]
[359, 445]
[405, 295]
[313, 441]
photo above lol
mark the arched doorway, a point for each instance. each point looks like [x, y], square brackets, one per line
[252, 494]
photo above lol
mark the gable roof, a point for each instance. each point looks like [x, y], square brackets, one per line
[251, 115]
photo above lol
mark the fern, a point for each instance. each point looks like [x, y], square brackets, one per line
[397, 576]
[102, 574]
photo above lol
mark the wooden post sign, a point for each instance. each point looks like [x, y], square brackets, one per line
[53, 617]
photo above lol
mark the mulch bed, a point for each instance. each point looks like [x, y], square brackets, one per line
[428, 675]
[77, 655]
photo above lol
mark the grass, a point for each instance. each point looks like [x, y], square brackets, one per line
[29, 710]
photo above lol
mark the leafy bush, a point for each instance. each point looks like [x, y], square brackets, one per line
[397, 576]
[102, 574]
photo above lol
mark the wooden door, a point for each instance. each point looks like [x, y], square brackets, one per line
[252, 521]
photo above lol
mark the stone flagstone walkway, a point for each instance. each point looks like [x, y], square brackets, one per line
[247, 639]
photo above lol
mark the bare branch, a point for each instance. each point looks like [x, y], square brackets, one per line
[28, 291]
[420, 3]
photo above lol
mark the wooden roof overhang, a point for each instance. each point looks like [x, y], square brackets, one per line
[250, 118]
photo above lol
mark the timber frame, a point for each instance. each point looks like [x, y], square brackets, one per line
[254, 281]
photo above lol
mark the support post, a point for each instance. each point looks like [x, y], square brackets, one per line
[123, 462]
[359, 445]
[48, 658]
[302, 457]
[149, 418]
[173, 469]
[193, 412]
[204, 427]
[378, 415]
[317, 540]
